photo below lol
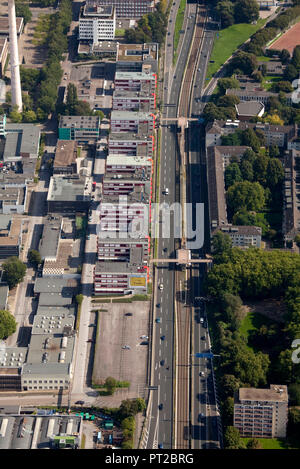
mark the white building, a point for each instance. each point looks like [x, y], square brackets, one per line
[97, 23]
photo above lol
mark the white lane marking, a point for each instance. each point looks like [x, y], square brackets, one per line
[159, 353]
[156, 366]
[159, 376]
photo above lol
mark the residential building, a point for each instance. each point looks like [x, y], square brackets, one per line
[291, 206]
[230, 153]
[113, 248]
[84, 129]
[125, 185]
[97, 23]
[274, 134]
[28, 432]
[145, 81]
[68, 194]
[261, 413]
[10, 236]
[137, 166]
[247, 109]
[136, 122]
[65, 157]
[242, 236]
[120, 277]
[127, 8]
[137, 101]
[273, 67]
[131, 144]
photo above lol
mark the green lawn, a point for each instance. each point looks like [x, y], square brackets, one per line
[120, 32]
[228, 41]
[269, 80]
[253, 321]
[270, 443]
[178, 26]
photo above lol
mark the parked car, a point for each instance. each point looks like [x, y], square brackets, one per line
[128, 314]
[163, 337]
[161, 287]
[161, 406]
[158, 320]
[126, 347]
[162, 362]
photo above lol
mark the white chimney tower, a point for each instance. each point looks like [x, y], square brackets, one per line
[16, 95]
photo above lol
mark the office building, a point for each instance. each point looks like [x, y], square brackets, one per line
[97, 23]
[84, 129]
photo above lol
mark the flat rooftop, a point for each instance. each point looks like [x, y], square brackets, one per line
[129, 115]
[127, 160]
[21, 140]
[65, 153]
[56, 299]
[276, 393]
[62, 188]
[54, 285]
[134, 76]
[137, 52]
[50, 347]
[91, 9]
[12, 234]
[119, 267]
[129, 136]
[51, 235]
[80, 122]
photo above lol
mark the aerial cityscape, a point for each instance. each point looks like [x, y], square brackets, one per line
[150, 227]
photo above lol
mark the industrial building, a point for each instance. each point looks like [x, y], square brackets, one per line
[65, 157]
[68, 194]
[128, 8]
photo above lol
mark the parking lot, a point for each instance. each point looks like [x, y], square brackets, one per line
[118, 330]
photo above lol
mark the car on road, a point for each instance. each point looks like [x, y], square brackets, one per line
[162, 362]
[92, 325]
[90, 340]
[158, 305]
[88, 236]
[203, 337]
[166, 191]
[161, 287]
[160, 445]
[169, 34]
[200, 417]
[163, 337]
[174, 76]
[165, 249]
[158, 320]
[144, 337]
[161, 406]
[126, 347]
[201, 320]
[128, 314]
[145, 342]
[169, 45]
[79, 402]
[201, 373]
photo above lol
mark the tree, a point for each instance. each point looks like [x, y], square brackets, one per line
[228, 101]
[284, 56]
[296, 57]
[246, 170]
[110, 384]
[225, 10]
[228, 83]
[297, 241]
[72, 99]
[34, 257]
[221, 243]
[251, 139]
[232, 438]
[232, 310]
[257, 75]
[275, 173]
[249, 155]
[23, 10]
[232, 174]
[246, 11]
[14, 271]
[245, 195]
[245, 62]
[29, 116]
[274, 151]
[229, 384]
[253, 443]
[290, 72]
[15, 116]
[82, 108]
[284, 86]
[79, 298]
[8, 324]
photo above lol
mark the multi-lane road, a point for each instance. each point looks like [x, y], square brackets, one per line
[170, 424]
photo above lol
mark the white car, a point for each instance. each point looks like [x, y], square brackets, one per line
[166, 191]
[201, 320]
[202, 373]
[126, 347]
[161, 287]
[144, 337]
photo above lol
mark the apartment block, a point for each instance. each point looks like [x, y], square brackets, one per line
[274, 134]
[97, 23]
[120, 277]
[136, 122]
[242, 236]
[136, 81]
[137, 101]
[10, 236]
[291, 194]
[137, 166]
[131, 144]
[113, 248]
[261, 413]
[127, 8]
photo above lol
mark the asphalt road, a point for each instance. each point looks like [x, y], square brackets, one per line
[161, 427]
